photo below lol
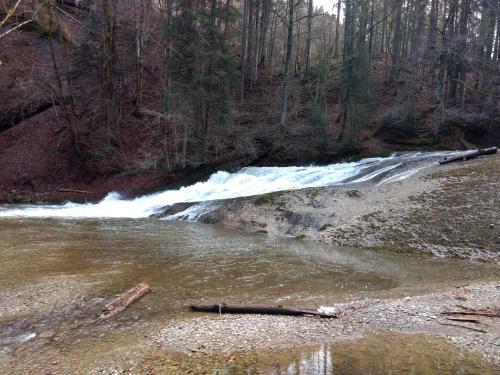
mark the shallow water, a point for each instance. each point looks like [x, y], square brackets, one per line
[190, 262]
[56, 274]
[379, 354]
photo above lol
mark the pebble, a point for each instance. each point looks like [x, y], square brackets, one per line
[244, 332]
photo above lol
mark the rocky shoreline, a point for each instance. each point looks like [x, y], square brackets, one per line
[408, 315]
[188, 341]
[451, 210]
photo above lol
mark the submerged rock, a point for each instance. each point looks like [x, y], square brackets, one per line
[173, 209]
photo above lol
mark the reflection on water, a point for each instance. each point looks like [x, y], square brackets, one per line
[186, 262]
[318, 362]
[189, 262]
[379, 354]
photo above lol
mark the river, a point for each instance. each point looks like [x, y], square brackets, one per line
[60, 264]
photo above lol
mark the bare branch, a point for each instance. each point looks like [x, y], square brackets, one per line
[16, 27]
[10, 13]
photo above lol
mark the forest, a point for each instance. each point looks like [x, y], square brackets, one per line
[164, 87]
[274, 187]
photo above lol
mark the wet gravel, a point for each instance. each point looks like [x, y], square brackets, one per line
[415, 314]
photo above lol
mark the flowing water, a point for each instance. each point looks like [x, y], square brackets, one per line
[60, 264]
[248, 181]
[187, 262]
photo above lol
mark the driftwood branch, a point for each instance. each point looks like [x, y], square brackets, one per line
[465, 319]
[469, 155]
[465, 327]
[489, 312]
[125, 300]
[10, 13]
[68, 15]
[74, 191]
[259, 309]
[16, 27]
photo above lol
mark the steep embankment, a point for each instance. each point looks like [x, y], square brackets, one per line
[451, 210]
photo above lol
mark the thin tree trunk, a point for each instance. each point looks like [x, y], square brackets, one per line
[337, 30]
[286, 67]
[263, 48]
[244, 47]
[396, 44]
[307, 52]
[372, 28]
[139, 47]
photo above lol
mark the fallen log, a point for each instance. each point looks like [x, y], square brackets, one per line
[74, 191]
[469, 155]
[259, 309]
[125, 300]
[491, 313]
[465, 319]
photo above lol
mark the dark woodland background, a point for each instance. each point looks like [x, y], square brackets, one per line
[133, 95]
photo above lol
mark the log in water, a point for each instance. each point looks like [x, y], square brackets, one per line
[125, 300]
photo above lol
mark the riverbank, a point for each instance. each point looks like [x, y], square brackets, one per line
[450, 210]
[409, 315]
[58, 273]
[195, 344]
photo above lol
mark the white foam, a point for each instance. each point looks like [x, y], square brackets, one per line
[21, 338]
[225, 185]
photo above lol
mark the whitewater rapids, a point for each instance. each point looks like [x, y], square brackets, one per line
[246, 182]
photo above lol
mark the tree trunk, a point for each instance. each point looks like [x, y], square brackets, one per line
[307, 52]
[244, 47]
[457, 66]
[139, 47]
[396, 44]
[263, 47]
[337, 30]
[286, 67]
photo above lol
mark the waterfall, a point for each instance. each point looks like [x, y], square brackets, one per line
[246, 182]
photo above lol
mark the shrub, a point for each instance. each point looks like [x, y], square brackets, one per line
[400, 120]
